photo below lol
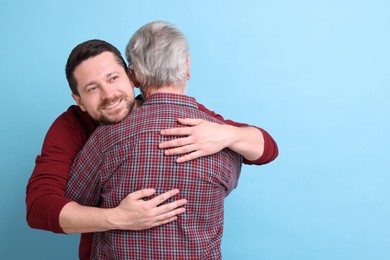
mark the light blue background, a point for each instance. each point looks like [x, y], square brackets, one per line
[315, 74]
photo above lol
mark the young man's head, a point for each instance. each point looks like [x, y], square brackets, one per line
[158, 56]
[100, 84]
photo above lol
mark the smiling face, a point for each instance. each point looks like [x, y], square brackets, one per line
[105, 90]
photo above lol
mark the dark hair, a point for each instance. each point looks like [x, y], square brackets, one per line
[84, 51]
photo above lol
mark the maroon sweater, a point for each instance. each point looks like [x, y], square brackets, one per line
[65, 138]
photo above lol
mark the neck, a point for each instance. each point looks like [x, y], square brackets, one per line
[164, 89]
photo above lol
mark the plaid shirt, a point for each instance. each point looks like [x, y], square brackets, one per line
[123, 158]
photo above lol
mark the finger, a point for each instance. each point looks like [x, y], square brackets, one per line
[180, 150]
[178, 131]
[189, 157]
[170, 209]
[175, 143]
[168, 212]
[165, 221]
[166, 218]
[163, 197]
[189, 121]
[137, 195]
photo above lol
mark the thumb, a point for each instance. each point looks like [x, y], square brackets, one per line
[137, 195]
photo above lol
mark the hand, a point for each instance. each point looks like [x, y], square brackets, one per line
[133, 213]
[201, 138]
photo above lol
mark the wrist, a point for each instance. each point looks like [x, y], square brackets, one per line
[232, 136]
[247, 141]
[110, 219]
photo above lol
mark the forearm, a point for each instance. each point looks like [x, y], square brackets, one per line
[75, 218]
[265, 147]
[43, 212]
[247, 141]
[45, 200]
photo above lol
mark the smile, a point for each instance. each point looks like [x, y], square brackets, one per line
[113, 104]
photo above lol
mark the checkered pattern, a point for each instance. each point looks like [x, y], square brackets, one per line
[123, 158]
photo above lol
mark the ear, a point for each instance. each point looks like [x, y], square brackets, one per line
[131, 74]
[79, 102]
[188, 68]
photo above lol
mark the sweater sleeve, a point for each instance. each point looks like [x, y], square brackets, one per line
[47, 184]
[270, 147]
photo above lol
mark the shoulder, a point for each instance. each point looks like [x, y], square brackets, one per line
[71, 129]
[74, 120]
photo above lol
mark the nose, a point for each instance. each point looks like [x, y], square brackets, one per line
[106, 92]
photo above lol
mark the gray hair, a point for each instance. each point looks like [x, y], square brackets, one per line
[157, 53]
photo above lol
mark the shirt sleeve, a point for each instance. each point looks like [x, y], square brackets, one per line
[270, 147]
[46, 187]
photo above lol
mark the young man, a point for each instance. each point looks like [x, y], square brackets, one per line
[48, 209]
[122, 158]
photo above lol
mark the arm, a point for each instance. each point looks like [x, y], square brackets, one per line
[205, 138]
[47, 207]
[132, 214]
[46, 187]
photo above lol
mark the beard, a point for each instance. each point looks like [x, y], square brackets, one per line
[116, 116]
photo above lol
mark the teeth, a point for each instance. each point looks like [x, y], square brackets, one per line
[112, 105]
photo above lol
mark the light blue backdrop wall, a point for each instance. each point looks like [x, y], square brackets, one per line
[315, 74]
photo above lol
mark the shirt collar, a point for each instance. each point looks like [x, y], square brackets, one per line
[170, 98]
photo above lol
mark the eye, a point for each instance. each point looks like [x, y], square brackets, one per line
[113, 78]
[91, 89]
